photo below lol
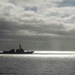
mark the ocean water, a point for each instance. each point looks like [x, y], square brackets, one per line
[37, 64]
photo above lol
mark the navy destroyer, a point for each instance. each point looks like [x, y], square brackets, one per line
[17, 51]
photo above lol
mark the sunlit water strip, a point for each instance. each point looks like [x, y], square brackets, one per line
[55, 52]
[58, 54]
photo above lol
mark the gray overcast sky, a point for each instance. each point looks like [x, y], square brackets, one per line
[37, 24]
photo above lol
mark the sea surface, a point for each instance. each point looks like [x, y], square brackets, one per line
[37, 64]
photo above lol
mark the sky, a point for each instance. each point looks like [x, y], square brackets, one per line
[37, 24]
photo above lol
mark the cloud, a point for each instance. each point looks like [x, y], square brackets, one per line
[36, 18]
[38, 24]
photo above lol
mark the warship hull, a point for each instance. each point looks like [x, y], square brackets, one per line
[6, 52]
[17, 51]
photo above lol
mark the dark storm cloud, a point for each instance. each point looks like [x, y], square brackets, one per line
[11, 30]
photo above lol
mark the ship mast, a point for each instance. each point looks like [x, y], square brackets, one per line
[20, 46]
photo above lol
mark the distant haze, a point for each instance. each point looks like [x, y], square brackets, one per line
[37, 24]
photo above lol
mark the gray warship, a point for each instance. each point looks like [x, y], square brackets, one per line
[17, 51]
